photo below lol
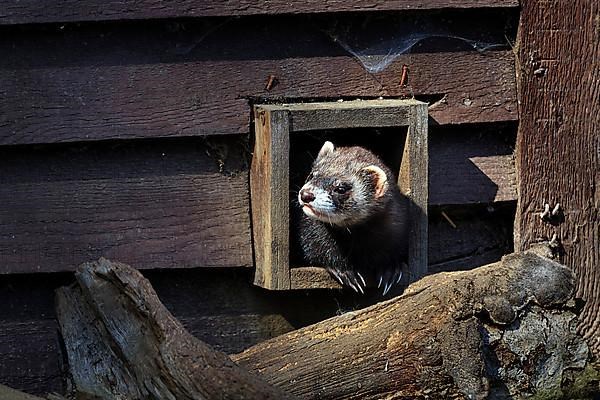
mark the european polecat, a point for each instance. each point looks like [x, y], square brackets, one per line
[355, 219]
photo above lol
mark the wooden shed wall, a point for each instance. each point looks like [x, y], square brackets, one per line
[125, 134]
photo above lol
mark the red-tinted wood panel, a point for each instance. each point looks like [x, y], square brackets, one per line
[32, 11]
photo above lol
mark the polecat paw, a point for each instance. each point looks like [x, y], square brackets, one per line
[389, 278]
[352, 279]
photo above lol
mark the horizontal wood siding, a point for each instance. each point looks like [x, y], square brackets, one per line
[160, 197]
[124, 82]
[182, 202]
[472, 164]
[32, 11]
[154, 205]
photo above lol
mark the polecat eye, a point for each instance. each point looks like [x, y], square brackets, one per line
[341, 188]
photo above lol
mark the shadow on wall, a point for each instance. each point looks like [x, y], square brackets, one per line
[471, 164]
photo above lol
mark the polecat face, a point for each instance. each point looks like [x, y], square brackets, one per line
[346, 186]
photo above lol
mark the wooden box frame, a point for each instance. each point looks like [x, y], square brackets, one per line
[269, 180]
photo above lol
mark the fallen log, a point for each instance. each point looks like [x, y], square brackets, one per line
[506, 329]
[122, 343]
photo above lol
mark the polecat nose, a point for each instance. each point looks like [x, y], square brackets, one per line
[306, 196]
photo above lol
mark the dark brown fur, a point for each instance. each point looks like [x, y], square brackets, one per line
[363, 241]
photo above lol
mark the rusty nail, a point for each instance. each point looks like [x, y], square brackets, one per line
[404, 77]
[270, 82]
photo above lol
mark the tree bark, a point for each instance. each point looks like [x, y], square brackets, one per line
[558, 141]
[122, 343]
[503, 330]
[500, 331]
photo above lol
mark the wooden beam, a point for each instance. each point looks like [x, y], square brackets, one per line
[31, 11]
[348, 114]
[269, 191]
[557, 144]
[413, 180]
[120, 82]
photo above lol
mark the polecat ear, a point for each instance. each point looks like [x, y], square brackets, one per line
[379, 179]
[326, 149]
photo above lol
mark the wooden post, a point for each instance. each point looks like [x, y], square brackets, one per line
[269, 188]
[558, 140]
[413, 182]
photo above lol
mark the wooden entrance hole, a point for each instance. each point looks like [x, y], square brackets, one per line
[270, 188]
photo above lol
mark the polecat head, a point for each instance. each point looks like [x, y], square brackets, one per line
[347, 186]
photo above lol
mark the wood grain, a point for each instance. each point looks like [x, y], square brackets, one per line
[413, 180]
[31, 11]
[349, 114]
[29, 339]
[472, 164]
[134, 348]
[558, 142]
[269, 190]
[157, 205]
[168, 203]
[472, 334]
[117, 82]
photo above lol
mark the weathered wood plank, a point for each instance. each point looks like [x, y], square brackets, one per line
[269, 188]
[115, 82]
[157, 205]
[472, 164]
[31, 11]
[29, 339]
[558, 141]
[413, 180]
[30, 353]
[311, 278]
[349, 114]
[167, 204]
[465, 237]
